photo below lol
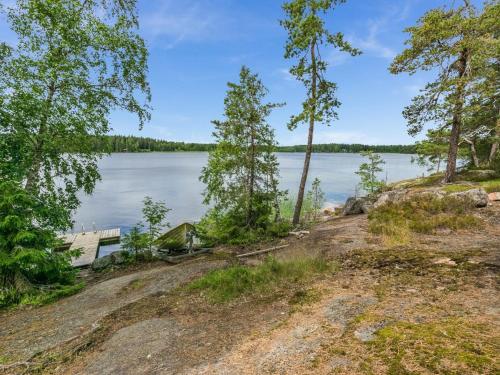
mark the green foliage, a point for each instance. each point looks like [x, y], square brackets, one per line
[304, 23]
[27, 242]
[154, 214]
[130, 143]
[242, 171]
[135, 241]
[317, 198]
[73, 63]
[368, 172]
[422, 214]
[305, 26]
[216, 228]
[491, 185]
[461, 46]
[433, 151]
[235, 281]
[311, 206]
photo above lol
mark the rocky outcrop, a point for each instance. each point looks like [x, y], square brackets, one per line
[115, 258]
[478, 197]
[355, 206]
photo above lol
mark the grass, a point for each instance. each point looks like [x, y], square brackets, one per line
[422, 214]
[449, 346]
[491, 185]
[50, 296]
[456, 188]
[224, 285]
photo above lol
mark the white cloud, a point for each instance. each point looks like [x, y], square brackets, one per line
[372, 43]
[285, 74]
[175, 21]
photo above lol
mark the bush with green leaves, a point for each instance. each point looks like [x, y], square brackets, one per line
[29, 264]
[137, 241]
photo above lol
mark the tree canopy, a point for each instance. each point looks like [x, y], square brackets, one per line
[73, 63]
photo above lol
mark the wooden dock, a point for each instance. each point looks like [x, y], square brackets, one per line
[89, 243]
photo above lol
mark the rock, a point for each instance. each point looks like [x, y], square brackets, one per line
[343, 309]
[118, 257]
[495, 196]
[355, 206]
[102, 263]
[367, 333]
[478, 197]
[445, 261]
[330, 209]
[394, 196]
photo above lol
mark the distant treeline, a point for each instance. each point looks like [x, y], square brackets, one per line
[120, 143]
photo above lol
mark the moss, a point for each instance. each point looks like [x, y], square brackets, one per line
[450, 346]
[232, 282]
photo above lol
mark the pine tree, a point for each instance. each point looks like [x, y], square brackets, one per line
[242, 171]
[458, 44]
[368, 172]
[306, 30]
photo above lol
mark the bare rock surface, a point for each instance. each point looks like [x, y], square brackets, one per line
[25, 333]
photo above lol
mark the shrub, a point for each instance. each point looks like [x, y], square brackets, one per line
[28, 260]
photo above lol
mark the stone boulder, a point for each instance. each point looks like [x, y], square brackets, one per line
[355, 206]
[115, 258]
[394, 196]
[477, 196]
[101, 263]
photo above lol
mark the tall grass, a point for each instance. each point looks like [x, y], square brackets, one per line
[227, 284]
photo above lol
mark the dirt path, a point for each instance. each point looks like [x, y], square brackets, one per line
[135, 324]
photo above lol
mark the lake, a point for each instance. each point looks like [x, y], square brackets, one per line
[173, 177]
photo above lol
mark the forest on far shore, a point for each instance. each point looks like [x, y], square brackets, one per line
[120, 143]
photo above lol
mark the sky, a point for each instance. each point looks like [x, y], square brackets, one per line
[197, 46]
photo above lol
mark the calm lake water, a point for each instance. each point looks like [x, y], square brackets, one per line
[173, 177]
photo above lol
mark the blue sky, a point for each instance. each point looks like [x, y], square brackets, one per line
[197, 46]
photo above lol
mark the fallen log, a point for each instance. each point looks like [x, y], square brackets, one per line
[262, 251]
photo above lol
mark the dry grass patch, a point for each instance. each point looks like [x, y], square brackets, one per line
[449, 346]
[422, 214]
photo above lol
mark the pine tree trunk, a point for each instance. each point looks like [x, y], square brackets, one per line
[307, 160]
[451, 166]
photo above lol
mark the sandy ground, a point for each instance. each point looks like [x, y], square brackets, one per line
[140, 324]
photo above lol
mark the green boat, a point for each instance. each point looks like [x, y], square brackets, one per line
[176, 238]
